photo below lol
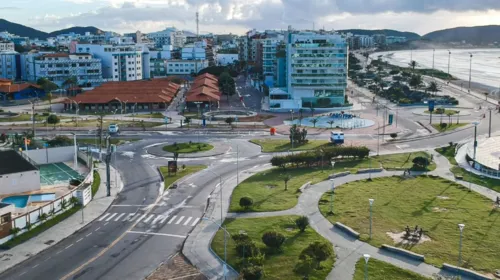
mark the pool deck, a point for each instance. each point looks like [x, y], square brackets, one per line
[58, 191]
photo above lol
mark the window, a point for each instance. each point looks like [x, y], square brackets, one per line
[116, 70]
[116, 76]
[116, 63]
[5, 219]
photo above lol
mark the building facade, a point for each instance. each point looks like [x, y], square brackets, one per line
[6, 46]
[185, 67]
[10, 66]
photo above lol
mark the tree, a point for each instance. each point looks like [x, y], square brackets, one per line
[74, 201]
[187, 120]
[433, 87]
[314, 121]
[413, 64]
[229, 121]
[302, 222]
[46, 85]
[416, 81]
[286, 178]
[227, 85]
[273, 239]
[393, 135]
[49, 98]
[330, 123]
[63, 204]
[486, 95]
[53, 119]
[421, 162]
[458, 116]
[70, 82]
[449, 114]
[305, 266]
[318, 251]
[252, 272]
[312, 110]
[246, 202]
[60, 141]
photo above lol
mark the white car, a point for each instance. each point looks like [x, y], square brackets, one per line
[113, 128]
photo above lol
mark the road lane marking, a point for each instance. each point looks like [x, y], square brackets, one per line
[142, 217]
[110, 217]
[179, 220]
[187, 221]
[149, 218]
[79, 240]
[157, 233]
[88, 234]
[59, 252]
[106, 223]
[119, 216]
[22, 273]
[195, 221]
[171, 220]
[97, 229]
[68, 246]
[47, 259]
[36, 265]
[156, 219]
[129, 217]
[102, 218]
[163, 220]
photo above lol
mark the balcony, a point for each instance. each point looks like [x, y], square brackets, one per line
[342, 85]
[319, 75]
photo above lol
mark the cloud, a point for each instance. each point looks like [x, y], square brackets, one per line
[9, 8]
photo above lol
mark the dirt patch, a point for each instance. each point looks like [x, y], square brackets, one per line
[443, 197]
[271, 186]
[176, 268]
[289, 229]
[437, 209]
[398, 238]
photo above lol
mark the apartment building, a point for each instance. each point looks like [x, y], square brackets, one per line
[185, 67]
[10, 67]
[119, 63]
[58, 67]
[6, 46]
[169, 36]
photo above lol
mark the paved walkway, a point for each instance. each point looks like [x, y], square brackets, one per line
[220, 148]
[348, 250]
[67, 227]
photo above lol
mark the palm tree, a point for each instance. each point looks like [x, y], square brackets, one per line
[70, 82]
[74, 201]
[286, 178]
[486, 95]
[413, 64]
[449, 114]
[330, 123]
[49, 98]
[415, 81]
[433, 87]
[314, 121]
[312, 110]
[458, 116]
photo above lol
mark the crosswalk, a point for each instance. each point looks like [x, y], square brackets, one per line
[152, 219]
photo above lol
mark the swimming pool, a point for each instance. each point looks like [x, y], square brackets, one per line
[20, 201]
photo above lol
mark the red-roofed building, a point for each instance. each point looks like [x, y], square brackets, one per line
[204, 93]
[11, 91]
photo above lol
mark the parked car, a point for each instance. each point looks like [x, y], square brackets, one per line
[113, 128]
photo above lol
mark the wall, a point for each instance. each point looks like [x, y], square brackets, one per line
[20, 182]
[52, 155]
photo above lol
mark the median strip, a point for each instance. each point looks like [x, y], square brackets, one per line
[157, 233]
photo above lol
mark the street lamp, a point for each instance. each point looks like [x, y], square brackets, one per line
[371, 200]
[475, 140]
[433, 51]
[224, 267]
[449, 56]
[121, 105]
[461, 228]
[470, 70]
[367, 258]
[291, 134]
[77, 109]
[331, 195]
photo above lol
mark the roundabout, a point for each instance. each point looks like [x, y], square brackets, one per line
[224, 114]
[335, 120]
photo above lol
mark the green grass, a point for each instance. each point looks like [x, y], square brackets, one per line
[114, 141]
[188, 147]
[276, 265]
[21, 238]
[96, 183]
[22, 117]
[149, 116]
[449, 153]
[448, 127]
[379, 270]
[169, 180]
[436, 205]
[278, 145]
[446, 111]
[267, 188]
[490, 183]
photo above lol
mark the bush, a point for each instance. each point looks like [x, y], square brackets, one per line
[60, 141]
[246, 202]
[318, 251]
[305, 266]
[302, 222]
[252, 272]
[316, 157]
[393, 135]
[443, 125]
[273, 239]
[420, 162]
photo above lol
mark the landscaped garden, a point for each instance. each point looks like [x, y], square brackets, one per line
[442, 127]
[282, 145]
[114, 141]
[182, 171]
[275, 248]
[435, 205]
[188, 147]
[379, 270]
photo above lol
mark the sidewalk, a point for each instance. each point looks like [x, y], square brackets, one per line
[65, 228]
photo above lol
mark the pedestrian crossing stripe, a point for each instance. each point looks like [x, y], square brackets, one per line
[146, 218]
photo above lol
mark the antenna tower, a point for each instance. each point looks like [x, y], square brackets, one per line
[197, 25]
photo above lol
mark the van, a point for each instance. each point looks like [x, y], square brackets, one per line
[113, 128]
[337, 137]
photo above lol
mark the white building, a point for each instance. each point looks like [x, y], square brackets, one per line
[224, 59]
[122, 40]
[119, 63]
[269, 49]
[58, 67]
[185, 67]
[194, 53]
[169, 36]
[6, 46]
[317, 72]
[9, 66]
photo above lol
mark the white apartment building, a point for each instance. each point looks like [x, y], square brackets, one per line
[317, 72]
[185, 67]
[169, 36]
[119, 63]
[8, 66]
[193, 53]
[6, 46]
[58, 67]
[269, 58]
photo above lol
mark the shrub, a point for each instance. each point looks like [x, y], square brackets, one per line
[443, 125]
[420, 162]
[257, 258]
[273, 239]
[247, 249]
[43, 217]
[393, 135]
[305, 266]
[246, 202]
[252, 272]
[28, 226]
[302, 222]
[315, 157]
[318, 251]
[15, 231]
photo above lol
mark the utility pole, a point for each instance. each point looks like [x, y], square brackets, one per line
[238, 164]
[100, 119]
[489, 128]
[32, 117]
[108, 171]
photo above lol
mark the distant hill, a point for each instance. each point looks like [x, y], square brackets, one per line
[387, 32]
[477, 35]
[77, 30]
[21, 30]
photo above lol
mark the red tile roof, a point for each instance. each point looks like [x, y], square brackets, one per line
[205, 88]
[56, 55]
[16, 87]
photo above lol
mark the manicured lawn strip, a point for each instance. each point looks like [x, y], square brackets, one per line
[22, 117]
[96, 183]
[490, 183]
[402, 161]
[282, 145]
[149, 116]
[446, 111]
[114, 141]
[448, 127]
[379, 270]
[276, 265]
[190, 169]
[449, 153]
[437, 205]
[21, 238]
[186, 148]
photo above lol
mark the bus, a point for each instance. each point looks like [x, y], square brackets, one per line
[337, 137]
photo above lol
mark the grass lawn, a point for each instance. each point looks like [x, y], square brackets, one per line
[436, 205]
[187, 148]
[22, 117]
[448, 127]
[149, 116]
[446, 111]
[276, 265]
[449, 153]
[96, 183]
[490, 183]
[114, 141]
[190, 169]
[379, 270]
[267, 188]
[282, 145]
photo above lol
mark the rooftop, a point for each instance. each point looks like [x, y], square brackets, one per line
[12, 162]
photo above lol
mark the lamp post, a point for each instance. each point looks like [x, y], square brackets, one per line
[224, 267]
[461, 228]
[433, 52]
[449, 57]
[367, 258]
[75, 158]
[371, 200]
[470, 70]
[475, 140]
[331, 195]
[121, 105]
[291, 134]
[77, 109]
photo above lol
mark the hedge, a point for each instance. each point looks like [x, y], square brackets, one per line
[317, 156]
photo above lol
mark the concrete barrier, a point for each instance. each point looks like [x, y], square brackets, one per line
[339, 174]
[466, 272]
[369, 170]
[403, 252]
[304, 186]
[347, 230]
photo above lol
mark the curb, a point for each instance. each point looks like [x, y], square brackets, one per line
[403, 252]
[347, 230]
[466, 272]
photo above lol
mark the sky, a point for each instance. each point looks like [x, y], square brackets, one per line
[238, 16]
